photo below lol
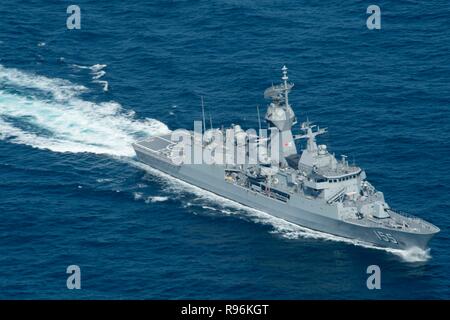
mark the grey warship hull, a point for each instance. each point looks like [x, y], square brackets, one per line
[311, 189]
[307, 213]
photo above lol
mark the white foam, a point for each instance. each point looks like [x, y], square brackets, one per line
[60, 89]
[412, 255]
[94, 68]
[97, 67]
[76, 125]
[154, 199]
[149, 199]
[98, 75]
[97, 72]
[209, 208]
[137, 195]
[104, 83]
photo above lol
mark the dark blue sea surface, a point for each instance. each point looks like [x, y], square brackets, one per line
[73, 101]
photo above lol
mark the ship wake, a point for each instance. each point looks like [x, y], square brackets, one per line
[49, 113]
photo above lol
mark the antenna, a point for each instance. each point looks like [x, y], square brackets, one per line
[203, 116]
[210, 121]
[286, 88]
[259, 119]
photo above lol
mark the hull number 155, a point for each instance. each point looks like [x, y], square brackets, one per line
[387, 237]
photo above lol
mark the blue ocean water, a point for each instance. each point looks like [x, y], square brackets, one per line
[72, 102]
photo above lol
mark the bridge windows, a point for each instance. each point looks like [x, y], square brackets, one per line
[346, 178]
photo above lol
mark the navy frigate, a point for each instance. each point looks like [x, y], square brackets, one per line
[309, 188]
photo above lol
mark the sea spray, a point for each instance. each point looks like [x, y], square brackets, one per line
[75, 125]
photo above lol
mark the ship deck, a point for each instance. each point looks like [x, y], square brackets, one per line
[397, 221]
[157, 144]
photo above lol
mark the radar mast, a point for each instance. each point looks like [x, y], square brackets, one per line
[280, 116]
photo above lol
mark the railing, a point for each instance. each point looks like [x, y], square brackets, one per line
[416, 219]
[336, 196]
[406, 215]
